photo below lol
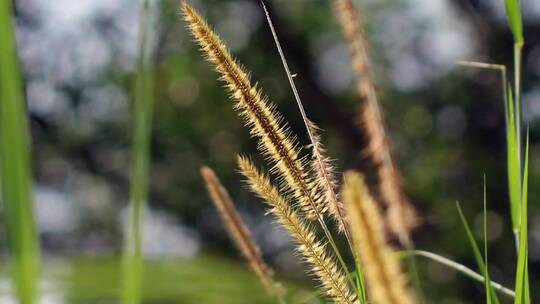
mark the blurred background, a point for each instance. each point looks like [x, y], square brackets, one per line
[446, 123]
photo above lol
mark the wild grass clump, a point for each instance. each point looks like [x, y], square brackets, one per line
[303, 195]
[301, 191]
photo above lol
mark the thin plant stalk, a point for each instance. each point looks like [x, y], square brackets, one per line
[518, 124]
[487, 285]
[142, 127]
[305, 119]
[320, 163]
[15, 165]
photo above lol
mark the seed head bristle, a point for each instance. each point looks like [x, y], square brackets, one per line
[238, 231]
[385, 280]
[313, 251]
[401, 216]
[275, 141]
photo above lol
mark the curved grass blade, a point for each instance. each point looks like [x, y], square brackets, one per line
[15, 165]
[458, 267]
[477, 255]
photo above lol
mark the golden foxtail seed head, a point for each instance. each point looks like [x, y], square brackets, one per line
[275, 141]
[401, 216]
[238, 231]
[314, 252]
[385, 281]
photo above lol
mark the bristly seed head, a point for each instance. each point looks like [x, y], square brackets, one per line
[314, 252]
[401, 216]
[275, 141]
[385, 280]
[239, 232]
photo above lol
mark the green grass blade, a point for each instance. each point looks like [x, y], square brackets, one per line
[522, 273]
[513, 163]
[15, 165]
[140, 162]
[477, 255]
[360, 283]
[513, 13]
[515, 22]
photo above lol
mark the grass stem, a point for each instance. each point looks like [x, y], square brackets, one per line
[142, 127]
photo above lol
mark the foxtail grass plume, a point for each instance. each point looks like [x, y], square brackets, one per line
[275, 141]
[314, 252]
[401, 217]
[385, 281]
[239, 232]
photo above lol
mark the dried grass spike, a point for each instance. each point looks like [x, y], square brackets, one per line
[314, 252]
[401, 216]
[239, 232]
[385, 280]
[326, 178]
[275, 141]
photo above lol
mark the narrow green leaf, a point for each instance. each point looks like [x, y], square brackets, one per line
[360, 284]
[477, 255]
[15, 167]
[522, 273]
[513, 13]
